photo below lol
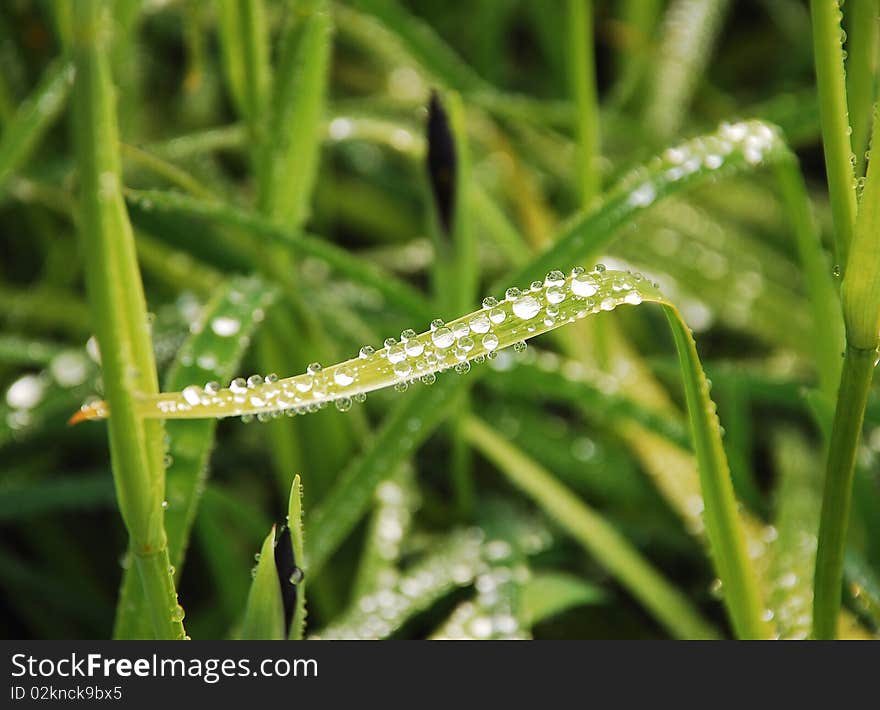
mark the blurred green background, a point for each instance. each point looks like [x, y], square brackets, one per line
[723, 252]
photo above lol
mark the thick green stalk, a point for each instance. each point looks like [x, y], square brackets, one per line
[855, 383]
[582, 78]
[861, 312]
[834, 117]
[120, 319]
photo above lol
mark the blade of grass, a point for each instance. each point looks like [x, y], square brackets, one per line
[290, 154]
[689, 32]
[33, 117]
[358, 270]
[264, 613]
[455, 259]
[581, 295]
[582, 78]
[861, 309]
[860, 19]
[599, 538]
[213, 352]
[119, 311]
[294, 522]
[245, 50]
[834, 116]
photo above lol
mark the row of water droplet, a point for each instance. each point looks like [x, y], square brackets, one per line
[522, 313]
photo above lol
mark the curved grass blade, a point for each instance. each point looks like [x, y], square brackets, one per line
[34, 117]
[523, 314]
[731, 149]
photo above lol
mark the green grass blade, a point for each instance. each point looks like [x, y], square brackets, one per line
[721, 517]
[547, 594]
[599, 538]
[294, 521]
[245, 49]
[34, 117]
[834, 115]
[454, 561]
[213, 352]
[860, 19]
[405, 427]
[861, 310]
[689, 32]
[119, 310]
[264, 613]
[731, 149]
[293, 139]
[358, 270]
[582, 78]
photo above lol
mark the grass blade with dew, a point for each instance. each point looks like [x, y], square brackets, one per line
[524, 314]
[213, 352]
[289, 157]
[597, 537]
[495, 610]
[453, 561]
[396, 500]
[34, 117]
[860, 20]
[732, 149]
[264, 613]
[295, 525]
[117, 299]
[861, 311]
[834, 116]
[689, 31]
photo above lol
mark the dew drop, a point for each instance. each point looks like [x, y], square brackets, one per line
[442, 337]
[480, 324]
[343, 376]
[225, 327]
[583, 285]
[490, 341]
[526, 307]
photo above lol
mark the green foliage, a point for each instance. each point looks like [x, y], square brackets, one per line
[249, 185]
